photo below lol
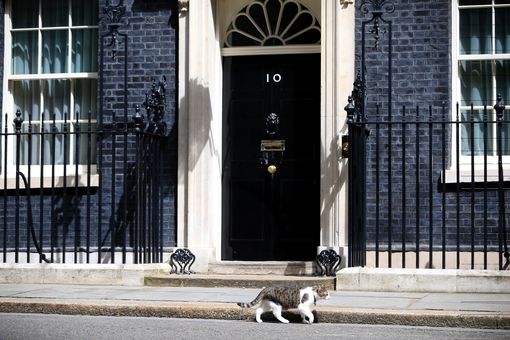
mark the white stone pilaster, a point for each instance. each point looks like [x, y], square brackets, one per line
[337, 78]
[200, 145]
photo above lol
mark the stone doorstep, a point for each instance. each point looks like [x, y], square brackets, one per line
[294, 268]
[237, 281]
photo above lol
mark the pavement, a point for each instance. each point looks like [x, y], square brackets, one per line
[474, 310]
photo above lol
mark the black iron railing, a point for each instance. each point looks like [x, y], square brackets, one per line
[429, 190]
[84, 193]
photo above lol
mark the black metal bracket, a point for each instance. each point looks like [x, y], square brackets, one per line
[114, 15]
[184, 258]
[377, 8]
[328, 261]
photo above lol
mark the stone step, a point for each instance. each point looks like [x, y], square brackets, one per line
[295, 268]
[236, 281]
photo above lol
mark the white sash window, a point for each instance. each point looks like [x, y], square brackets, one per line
[481, 47]
[50, 75]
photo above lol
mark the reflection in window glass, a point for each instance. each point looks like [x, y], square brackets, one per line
[502, 28]
[29, 145]
[56, 98]
[474, 133]
[475, 31]
[54, 48]
[84, 41]
[475, 82]
[24, 52]
[85, 98]
[503, 78]
[26, 98]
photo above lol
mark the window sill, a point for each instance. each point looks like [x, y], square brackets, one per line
[51, 182]
[466, 175]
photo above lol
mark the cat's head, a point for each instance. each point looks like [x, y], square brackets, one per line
[321, 292]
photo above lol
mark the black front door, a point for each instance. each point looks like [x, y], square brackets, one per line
[271, 216]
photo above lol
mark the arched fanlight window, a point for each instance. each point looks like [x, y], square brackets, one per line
[273, 23]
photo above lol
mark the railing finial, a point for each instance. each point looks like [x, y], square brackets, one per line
[500, 106]
[18, 120]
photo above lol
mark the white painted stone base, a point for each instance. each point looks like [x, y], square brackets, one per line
[423, 280]
[83, 274]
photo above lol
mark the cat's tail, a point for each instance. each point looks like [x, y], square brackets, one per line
[254, 302]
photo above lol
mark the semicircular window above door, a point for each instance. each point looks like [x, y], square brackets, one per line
[273, 23]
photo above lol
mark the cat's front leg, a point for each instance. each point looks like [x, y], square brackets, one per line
[306, 313]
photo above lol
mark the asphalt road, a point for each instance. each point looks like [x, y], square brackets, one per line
[55, 327]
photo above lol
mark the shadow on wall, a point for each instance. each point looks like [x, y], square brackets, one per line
[147, 6]
[200, 136]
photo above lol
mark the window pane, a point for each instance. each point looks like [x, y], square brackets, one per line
[54, 144]
[26, 98]
[502, 2]
[54, 51]
[25, 13]
[55, 13]
[84, 13]
[83, 144]
[503, 79]
[502, 26]
[24, 53]
[84, 50]
[475, 31]
[85, 98]
[56, 98]
[474, 2]
[476, 83]
[30, 144]
[472, 133]
[505, 133]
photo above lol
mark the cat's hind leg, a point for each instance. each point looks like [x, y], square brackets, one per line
[258, 313]
[277, 312]
[264, 307]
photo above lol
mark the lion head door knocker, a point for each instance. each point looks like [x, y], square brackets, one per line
[272, 147]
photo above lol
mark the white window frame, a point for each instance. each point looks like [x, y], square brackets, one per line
[9, 174]
[465, 160]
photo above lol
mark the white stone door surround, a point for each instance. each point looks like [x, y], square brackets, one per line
[199, 223]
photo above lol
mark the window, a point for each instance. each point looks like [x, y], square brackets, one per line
[482, 50]
[273, 23]
[264, 27]
[50, 75]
